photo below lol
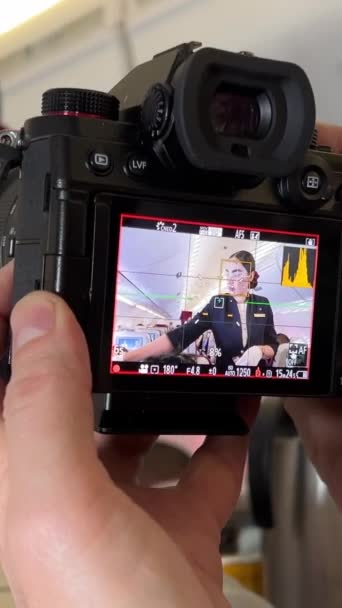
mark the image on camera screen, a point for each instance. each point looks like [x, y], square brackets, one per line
[206, 300]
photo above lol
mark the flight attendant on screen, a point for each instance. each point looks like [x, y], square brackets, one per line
[241, 322]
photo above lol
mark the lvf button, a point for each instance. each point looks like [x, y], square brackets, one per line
[138, 164]
[100, 163]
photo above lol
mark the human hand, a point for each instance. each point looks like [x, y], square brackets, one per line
[75, 528]
[250, 357]
[319, 421]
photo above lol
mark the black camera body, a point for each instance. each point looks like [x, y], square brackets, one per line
[133, 205]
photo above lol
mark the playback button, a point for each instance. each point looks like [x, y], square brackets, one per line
[100, 162]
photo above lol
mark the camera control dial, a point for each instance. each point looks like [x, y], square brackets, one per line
[156, 110]
[80, 102]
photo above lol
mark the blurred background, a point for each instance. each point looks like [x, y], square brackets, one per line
[93, 43]
[285, 539]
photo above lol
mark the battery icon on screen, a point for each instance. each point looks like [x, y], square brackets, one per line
[302, 374]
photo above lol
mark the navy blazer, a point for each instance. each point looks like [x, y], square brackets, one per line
[221, 315]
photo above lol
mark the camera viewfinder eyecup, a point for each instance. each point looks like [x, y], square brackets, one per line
[223, 112]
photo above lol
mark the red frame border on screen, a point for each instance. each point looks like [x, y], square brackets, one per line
[215, 225]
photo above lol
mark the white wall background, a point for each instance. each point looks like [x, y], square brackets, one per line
[93, 52]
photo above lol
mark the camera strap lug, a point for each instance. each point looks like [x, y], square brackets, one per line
[9, 159]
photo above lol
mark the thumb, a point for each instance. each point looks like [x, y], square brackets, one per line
[48, 405]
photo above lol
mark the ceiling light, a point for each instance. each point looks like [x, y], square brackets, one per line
[17, 12]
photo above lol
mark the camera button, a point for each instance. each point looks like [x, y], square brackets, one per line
[11, 247]
[312, 181]
[138, 164]
[100, 163]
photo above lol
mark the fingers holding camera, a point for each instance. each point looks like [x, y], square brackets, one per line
[6, 282]
[330, 135]
[319, 424]
[47, 406]
[214, 476]
[123, 456]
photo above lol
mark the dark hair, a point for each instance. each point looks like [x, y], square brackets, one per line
[247, 259]
[282, 339]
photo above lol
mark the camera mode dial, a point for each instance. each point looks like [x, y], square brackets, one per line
[156, 110]
[80, 102]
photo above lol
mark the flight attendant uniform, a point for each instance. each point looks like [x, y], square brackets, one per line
[235, 327]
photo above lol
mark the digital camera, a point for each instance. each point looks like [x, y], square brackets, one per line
[192, 223]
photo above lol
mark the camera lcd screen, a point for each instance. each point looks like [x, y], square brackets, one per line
[207, 300]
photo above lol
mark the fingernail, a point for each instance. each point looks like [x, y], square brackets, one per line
[33, 323]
